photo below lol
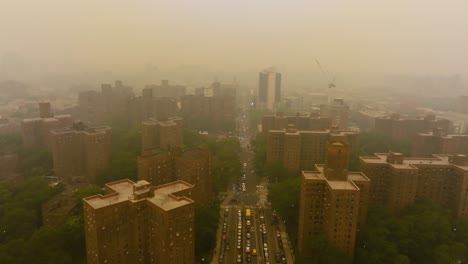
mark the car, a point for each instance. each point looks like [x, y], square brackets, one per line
[239, 238]
[239, 259]
[247, 249]
[278, 257]
[248, 235]
[226, 212]
[249, 259]
[283, 260]
[254, 252]
[266, 255]
[238, 245]
[248, 222]
[227, 246]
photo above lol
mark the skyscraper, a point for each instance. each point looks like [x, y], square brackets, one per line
[269, 88]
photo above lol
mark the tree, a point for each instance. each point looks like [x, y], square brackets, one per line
[423, 233]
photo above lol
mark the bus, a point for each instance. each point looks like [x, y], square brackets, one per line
[247, 214]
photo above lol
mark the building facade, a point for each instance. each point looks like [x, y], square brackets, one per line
[211, 109]
[167, 90]
[80, 152]
[300, 150]
[163, 133]
[269, 89]
[398, 181]
[279, 121]
[338, 111]
[140, 223]
[425, 144]
[399, 128]
[110, 105]
[36, 131]
[193, 166]
[333, 201]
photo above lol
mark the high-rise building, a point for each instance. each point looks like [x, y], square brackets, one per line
[338, 111]
[80, 152]
[333, 201]
[140, 223]
[36, 131]
[300, 150]
[163, 134]
[269, 88]
[148, 107]
[167, 90]
[111, 104]
[279, 121]
[398, 181]
[399, 128]
[193, 166]
[425, 144]
[210, 108]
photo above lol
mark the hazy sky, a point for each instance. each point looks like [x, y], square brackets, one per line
[397, 36]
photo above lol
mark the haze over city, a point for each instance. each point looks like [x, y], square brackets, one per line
[194, 132]
[364, 36]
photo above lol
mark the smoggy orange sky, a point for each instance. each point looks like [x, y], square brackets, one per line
[398, 36]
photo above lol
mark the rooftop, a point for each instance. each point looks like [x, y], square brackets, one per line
[437, 159]
[163, 195]
[342, 185]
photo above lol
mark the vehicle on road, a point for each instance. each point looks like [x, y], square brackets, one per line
[254, 252]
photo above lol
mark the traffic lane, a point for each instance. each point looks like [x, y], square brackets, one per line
[231, 236]
[271, 235]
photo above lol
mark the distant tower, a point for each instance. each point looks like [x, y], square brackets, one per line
[45, 110]
[269, 88]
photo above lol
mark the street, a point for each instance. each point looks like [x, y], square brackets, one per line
[249, 231]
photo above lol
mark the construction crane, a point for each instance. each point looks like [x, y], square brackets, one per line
[331, 79]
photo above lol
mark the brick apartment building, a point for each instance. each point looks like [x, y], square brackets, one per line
[425, 144]
[399, 128]
[211, 109]
[167, 90]
[300, 150]
[111, 104]
[162, 134]
[279, 121]
[397, 181]
[338, 111]
[140, 223]
[193, 166]
[333, 201]
[80, 152]
[36, 131]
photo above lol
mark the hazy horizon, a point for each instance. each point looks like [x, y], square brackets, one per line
[397, 37]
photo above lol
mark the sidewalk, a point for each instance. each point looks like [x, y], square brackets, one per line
[286, 243]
